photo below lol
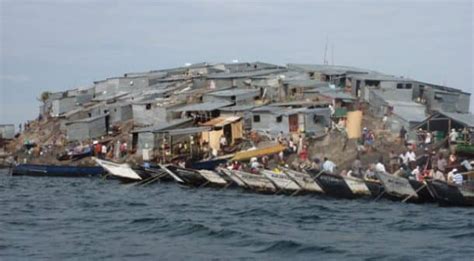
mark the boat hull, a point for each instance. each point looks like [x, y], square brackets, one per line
[450, 195]
[304, 180]
[397, 188]
[37, 170]
[334, 185]
[281, 181]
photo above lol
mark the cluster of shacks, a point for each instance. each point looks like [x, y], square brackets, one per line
[229, 98]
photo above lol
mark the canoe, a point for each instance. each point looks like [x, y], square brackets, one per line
[185, 176]
[421, 189]
[333, 185]
[121, 171]
[256, 182]
[213, 177]
[357, 186]
[397, 188]
[56, 171]
[231, 178]
[304, 180]
[259, 152]
[281, 181]
[451, 195]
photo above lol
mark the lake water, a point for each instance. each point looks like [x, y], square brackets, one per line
[91, 219]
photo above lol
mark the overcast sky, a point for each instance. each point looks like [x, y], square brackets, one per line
[59, 45]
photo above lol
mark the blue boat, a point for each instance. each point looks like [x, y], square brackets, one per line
[56, 171]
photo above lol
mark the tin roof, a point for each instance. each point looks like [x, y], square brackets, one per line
[221, 121]
[205, 106]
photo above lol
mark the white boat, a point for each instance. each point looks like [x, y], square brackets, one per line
[397, 187]
[304, 180]
[357, 186]
[118, 170]
[256, 181]
[281, 180]
[213, 177]
[232, 177]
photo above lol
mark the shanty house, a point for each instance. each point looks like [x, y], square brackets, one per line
[274, 119]
[119, 112]
[202, 111]
[120, 84]
[244, 111]
[443, 98]
[363, 83]
[87, 128]
[229, 127]
[153, 112]
[62, 105]
[7, 131]
[152, 137]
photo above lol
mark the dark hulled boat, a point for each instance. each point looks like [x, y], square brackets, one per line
[185, 176]
[56, 171]
[451, 195]
[332, 185]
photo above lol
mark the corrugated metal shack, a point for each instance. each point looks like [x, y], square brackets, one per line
[87, 128]
[7, 131]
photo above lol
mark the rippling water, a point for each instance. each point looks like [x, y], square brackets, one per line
[90, 219]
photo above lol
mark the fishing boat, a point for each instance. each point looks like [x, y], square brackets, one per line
[255, 181]
[304, 180]
[357, 186]
[122, 171]
[185, 176]
[333, 185]
[422, 191]
[231, 178]
[213, 177]
[281, 181]
[397, 188]
[451, 195]
[56, 171]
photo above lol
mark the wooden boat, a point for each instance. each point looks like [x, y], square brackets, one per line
[421, 189]
[121, 171]
[333, 185]
[213, 177]
[281, 181]
[451, 195]
[259, 152]
[185, 176]
[304, 180]
[256, 182]
[56, 171]
[231, 178]
[397, 188]
[357, 186]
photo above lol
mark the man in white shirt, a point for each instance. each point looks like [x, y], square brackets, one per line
[379, 167]
[410, 157]
[328, 166]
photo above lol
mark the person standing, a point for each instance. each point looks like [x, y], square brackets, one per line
[379, 167]
[329, 166]
[402, 135]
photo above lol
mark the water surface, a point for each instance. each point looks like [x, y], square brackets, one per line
[90, 219]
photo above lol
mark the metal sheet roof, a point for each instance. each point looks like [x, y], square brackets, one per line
[221, 121]
[205, 106]
[234, 92]
[327, 69]
[463, 118]
[184, 131]
[244, 74]
[413, 113]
